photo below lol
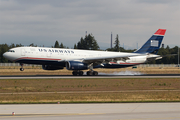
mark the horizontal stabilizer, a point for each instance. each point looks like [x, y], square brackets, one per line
[156, 57]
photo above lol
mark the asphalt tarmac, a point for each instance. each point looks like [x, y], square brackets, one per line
[85, 76]
[109, 111]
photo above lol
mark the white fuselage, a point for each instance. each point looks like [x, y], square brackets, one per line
[77, 60]
[60, 55]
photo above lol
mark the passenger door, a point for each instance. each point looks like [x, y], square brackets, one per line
[23, 53]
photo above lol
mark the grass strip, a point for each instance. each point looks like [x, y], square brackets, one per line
[92, 90]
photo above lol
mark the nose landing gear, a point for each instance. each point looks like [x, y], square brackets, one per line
[21, 69]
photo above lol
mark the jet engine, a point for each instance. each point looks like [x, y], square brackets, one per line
[75, 65]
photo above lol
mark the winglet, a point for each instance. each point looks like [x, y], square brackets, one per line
[160, 32]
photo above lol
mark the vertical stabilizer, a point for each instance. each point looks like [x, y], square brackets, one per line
[153, 44]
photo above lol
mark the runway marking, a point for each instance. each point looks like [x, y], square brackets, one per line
[106, 76]
[42, 115]
[76, 114]
[70, 92]
[168, 118]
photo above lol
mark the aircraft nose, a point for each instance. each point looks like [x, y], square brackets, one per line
[8, 56]
[5, 55]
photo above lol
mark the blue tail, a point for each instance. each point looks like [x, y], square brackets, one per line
[153, 44]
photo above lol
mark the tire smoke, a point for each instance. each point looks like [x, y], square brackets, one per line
[123, 73]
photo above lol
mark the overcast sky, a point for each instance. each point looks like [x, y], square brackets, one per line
[42, 22]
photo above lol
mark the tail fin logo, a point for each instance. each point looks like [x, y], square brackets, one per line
[154, 43]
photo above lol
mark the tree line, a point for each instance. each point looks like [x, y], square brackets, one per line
[90, 43]
[86, 43]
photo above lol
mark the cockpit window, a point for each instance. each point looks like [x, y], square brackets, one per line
[11, 51]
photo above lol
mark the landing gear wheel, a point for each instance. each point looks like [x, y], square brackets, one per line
[89, 73]
[21, 69]
[81, 73]
[75, 73]
[95, 73]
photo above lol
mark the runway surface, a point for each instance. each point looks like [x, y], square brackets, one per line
[114, 111]
[99, 76]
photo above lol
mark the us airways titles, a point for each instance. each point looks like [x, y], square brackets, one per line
[56, 51]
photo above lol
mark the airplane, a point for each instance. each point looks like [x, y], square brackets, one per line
[78, 60]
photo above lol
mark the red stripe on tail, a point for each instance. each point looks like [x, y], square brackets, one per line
[160, 32]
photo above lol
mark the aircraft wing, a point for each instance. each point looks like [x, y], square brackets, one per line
[100, 60]
[104, 60]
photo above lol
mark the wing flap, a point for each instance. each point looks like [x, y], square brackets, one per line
[101, 59]
[98, 61]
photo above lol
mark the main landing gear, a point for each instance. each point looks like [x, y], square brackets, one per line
[94, 73]
[75, 73]
[89, 73]
[21, 69]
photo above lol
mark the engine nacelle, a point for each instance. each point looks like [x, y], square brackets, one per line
[75, 65]
[52, 67]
